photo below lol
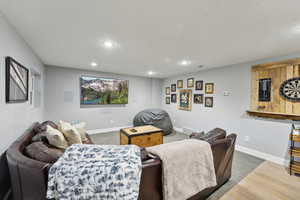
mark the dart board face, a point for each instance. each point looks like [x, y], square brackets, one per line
[290, 89]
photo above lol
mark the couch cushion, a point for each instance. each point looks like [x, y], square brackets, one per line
[39, 151]
[43, 126]
[56, 138]
[80, 127]
[211, 136]
[197, 135]
[70, 133]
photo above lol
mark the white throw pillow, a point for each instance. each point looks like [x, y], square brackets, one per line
[70, 133]
[56, 138]
[81, 129]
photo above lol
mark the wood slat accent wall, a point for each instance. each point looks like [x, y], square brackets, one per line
[278, 72]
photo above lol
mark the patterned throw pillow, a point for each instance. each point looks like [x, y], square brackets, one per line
[80, 127]
[56, 138]
[70, 133]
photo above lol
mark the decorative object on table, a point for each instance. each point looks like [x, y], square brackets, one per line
[167, 100]
[173, 87]
[294, 150]
[209, 88]
[144, 136]
[190, 82]
[179, 83]
[198, 98]
[173, 98]
[99, 91]
[199, 85]
[16, 81]
[156, 117]
[209, 101]
[290, 89]
[168, 91]
[185, 99]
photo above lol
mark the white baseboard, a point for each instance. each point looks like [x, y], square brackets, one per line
[262, 155]
[105, 130]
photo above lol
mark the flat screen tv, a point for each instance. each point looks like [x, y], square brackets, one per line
[102, 91]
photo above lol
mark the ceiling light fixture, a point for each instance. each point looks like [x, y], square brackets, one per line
[150, 73]
[94, 64]
[185, 62]
[109, 44]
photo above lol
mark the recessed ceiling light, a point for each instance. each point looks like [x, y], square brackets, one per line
[94, 64]
[109, 44]
[150, 73]
[185, 62]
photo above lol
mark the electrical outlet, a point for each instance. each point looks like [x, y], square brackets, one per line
[226, 93]
[246, 138]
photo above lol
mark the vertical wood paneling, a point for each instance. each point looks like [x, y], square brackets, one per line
[254, 86]
[275, 98]
[289, 74]
[282, 100]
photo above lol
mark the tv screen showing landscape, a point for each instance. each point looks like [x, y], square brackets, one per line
[101, 91]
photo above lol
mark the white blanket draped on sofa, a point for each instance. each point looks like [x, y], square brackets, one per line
[188, 168]
[106, 172]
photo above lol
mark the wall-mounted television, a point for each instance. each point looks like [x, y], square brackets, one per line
[102, 91]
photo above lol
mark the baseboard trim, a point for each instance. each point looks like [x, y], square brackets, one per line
[262, 155]
[105, 130]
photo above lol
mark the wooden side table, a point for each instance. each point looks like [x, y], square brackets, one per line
[143, 136]
[294, 152]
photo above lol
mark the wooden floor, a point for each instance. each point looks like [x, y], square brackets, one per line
[269, 181]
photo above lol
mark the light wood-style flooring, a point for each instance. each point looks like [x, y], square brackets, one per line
[269, 181]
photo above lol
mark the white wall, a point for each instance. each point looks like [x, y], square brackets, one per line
[229, 112]
[143, 93]
[16, 117]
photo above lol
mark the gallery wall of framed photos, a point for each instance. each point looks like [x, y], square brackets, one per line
[193, 92]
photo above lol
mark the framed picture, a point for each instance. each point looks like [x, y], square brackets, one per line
[185, 99]
[179, 83]
[209, 101]
[198, 98]
[173, 87]
[167, 100]
[190, 82]
[173, 98]
[209, 88]
[16, 86]
[168, 91]
[102, 91]
[199, 85]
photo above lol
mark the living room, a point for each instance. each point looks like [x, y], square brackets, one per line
[200, 67]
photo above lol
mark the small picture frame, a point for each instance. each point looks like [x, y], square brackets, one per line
[173, 98]
[209, 102]
[209, 88]
[199, 85]
[185, 99]
[167, 100]
[198, 98]
[173, 87]
[179, 83]
[168, 91]
[190, 82]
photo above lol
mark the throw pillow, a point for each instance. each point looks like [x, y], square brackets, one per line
[56, 138]
[70, 133]
[80, 127]
[41, 152]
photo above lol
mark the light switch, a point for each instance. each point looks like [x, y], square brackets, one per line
[226, 93]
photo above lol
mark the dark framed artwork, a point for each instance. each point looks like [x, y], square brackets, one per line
[16, 86]
[199, 85]
[198, 98]
[168, 91]
[179, 83]
[173, 87]
[185, 100]
[209, 102]
[190, 82]
[209, 88]
[167, 100]
[173, 98]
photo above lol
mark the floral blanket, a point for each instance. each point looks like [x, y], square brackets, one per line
[86, 172]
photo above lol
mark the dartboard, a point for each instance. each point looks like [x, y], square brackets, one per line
[290, 89]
